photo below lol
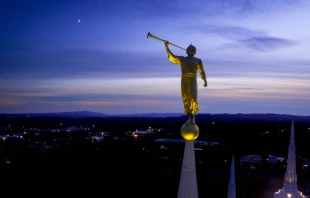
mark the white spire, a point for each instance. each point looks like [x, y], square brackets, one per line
[188, 183]
[232, 186]
[290, 182]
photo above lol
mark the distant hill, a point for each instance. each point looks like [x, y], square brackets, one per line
[150, 115]
[215, 117]
[255, 116]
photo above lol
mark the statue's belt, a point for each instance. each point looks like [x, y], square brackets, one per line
[189, 74]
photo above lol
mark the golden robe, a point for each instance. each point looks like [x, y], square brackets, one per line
[189, 90]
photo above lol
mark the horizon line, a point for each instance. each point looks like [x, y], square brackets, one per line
[143, 113]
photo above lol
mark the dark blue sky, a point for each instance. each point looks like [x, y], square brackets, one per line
[255, 54]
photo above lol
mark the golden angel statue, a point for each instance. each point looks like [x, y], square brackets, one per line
[190, 65]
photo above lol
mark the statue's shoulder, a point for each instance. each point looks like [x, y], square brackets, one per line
[181, 58]
[198, 59]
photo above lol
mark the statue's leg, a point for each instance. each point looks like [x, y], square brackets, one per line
[193, 95]
[193, 119]
[185, 96]
[189, 118]
[189, 96]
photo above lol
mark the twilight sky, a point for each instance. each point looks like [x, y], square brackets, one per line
[255, 54]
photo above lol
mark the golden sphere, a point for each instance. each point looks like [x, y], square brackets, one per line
[189, 131]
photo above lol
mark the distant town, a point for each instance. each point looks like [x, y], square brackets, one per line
[145, 153]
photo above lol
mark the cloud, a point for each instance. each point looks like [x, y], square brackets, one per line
[8, 102]
[228, 31]
[264, 87]
[266, 44]
[237, 36]
[184, 8]
[221, 91]
[127, 102]
[85, 102]
[86, 98]
[113, 98]
[247, 7]
[178, 10]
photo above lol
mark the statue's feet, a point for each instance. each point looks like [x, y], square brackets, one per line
[191, 119]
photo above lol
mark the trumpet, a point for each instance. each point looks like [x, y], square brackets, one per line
[149, 35]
